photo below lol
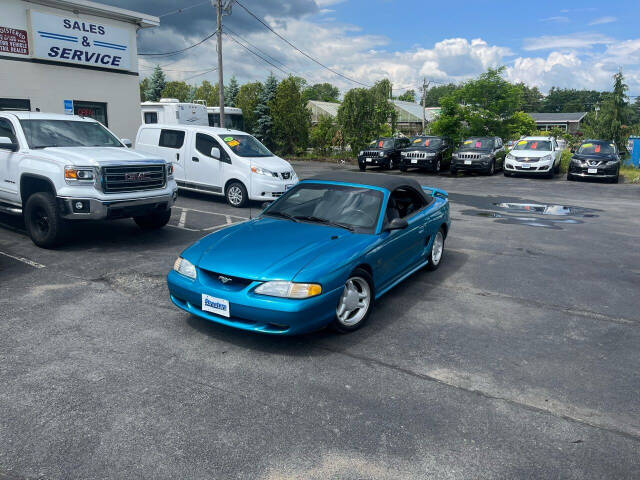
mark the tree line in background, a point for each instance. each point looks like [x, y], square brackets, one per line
[276, 111]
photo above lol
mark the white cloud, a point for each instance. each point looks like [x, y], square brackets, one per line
[576, 40]
[558, 19]
[603, 20]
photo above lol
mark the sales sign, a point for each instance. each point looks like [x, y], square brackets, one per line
[73, 40]
[14, 41]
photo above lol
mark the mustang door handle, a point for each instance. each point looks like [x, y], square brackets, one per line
[195, 159]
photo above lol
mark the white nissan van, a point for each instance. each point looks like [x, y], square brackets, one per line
[219, 161]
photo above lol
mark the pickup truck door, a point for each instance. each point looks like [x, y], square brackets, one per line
[204, 171]
[8, 165]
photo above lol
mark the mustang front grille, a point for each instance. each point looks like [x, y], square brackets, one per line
[131, 178]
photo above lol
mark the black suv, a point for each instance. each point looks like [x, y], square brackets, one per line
[433, 153]
[595, 159]
[382, 152]
[479, 154]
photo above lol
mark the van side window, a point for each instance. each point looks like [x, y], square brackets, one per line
[150, 117]
[204, 144]
[171, 139]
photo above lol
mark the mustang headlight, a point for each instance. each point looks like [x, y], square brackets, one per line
[263, 171]
[75, 175]
[185, 267]
[283, 289]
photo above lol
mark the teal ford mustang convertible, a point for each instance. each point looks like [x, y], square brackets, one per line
[320, 255]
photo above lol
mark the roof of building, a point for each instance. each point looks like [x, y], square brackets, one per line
[558, 117]
[327, 108]
[390, 182]
[100, 10]
[408, 112]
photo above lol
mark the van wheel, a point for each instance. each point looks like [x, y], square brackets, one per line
[42, 219]
[236, 195]
[153, 221]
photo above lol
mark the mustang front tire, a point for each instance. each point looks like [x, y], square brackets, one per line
[437, 251]
[356, 302]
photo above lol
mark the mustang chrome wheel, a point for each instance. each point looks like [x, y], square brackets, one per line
[355, 302]
[438, 247]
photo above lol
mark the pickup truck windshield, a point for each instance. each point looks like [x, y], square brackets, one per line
[246, 146]
[67, 133]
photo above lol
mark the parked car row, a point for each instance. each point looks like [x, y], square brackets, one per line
[534, 155]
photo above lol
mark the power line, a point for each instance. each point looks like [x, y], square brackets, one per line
[256, 54]
[180, 10]
[202, 73]
[296, 48]
[258, 49]
[166, 54]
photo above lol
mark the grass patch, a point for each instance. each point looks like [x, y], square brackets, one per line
[630, 174]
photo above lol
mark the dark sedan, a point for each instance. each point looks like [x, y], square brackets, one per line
[479, 154]
[432, 153]
[595, 159]
[382, 152]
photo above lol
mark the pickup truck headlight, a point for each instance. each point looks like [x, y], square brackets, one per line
[185, 267]
[263, 171]
[76, 175]
[283, 289]
[170, 171]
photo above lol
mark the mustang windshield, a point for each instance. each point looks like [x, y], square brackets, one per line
[597, 148]
[477, 144]
[246, 146]
[541, 145]
[67, 133]
[431, 142]
[354, 208]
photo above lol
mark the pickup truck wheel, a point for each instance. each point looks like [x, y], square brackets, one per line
[42, 219]
[154, 220]
[437, 251]
[356, 302]
[236, 195]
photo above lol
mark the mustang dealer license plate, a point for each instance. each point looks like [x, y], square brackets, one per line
[219, 306]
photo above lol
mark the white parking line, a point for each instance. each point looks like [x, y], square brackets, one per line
[216, 227]
[186, 209]
[24, 260]
[183, 219]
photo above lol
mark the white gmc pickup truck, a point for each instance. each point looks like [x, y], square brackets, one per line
[58, 168]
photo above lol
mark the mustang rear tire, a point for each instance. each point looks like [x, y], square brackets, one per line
[42, 219]
[356, 302]
[154, 220]
[437, 251]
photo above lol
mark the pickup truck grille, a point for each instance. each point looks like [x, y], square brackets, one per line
[132, 178]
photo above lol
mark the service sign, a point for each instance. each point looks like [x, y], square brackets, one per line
[14, 41]
[73, 40]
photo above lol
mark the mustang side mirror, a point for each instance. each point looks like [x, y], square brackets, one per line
[215, 152]
[7, 144]
[127, 143]
[397, 224]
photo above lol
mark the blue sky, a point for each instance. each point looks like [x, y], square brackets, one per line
[567, 43]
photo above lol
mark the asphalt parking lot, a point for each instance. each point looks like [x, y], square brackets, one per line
[518, 358]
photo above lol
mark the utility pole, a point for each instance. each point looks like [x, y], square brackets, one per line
[425, 85]
[220, 75]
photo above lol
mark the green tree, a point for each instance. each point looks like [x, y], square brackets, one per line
[385, 113]
[408, 96]
[157, 82]
[291, 117]
[209, 93]
[264, 121]
[179, 90]
[532, 99]
[231, 92]
[144, 85]
[323, 92]
[324, 134]
[520, 124]
[434, 94]
[571, 100]
[247, 100]
[450, 121]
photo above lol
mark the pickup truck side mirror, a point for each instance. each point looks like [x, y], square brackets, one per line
[397, 224]
[127, 143]
[7, 144]
[215, 153]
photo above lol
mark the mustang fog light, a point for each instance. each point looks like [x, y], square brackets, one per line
[185, 267]
[289, 289]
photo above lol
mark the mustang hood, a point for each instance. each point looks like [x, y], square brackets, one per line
[95, 156]
[270, 248]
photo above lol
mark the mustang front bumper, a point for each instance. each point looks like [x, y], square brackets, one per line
[249, 311]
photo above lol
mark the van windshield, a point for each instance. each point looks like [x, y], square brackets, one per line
[67, 133]
[246, 146]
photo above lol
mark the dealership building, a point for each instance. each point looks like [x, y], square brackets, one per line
[72, 56]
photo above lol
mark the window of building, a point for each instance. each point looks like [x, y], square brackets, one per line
[15, 104]
[171, 138]
[150, 117]
[95, 110]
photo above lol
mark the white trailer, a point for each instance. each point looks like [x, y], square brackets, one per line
[170, 111]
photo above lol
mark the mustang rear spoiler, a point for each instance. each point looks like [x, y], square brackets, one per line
[435, 192]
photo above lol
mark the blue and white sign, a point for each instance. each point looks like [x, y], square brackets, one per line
[68, 107]
[74, 40]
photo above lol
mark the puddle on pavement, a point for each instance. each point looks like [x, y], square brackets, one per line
[535, 214]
